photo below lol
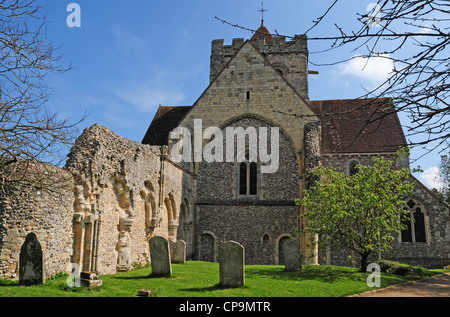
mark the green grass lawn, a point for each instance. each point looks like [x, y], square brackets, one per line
[201, 279]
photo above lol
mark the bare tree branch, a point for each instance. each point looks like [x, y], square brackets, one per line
[29, 132]
[414, 35]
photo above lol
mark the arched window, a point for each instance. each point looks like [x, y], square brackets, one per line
[253, 181]
[414, 221]
[353, 167]
[243, 178]
[419, 225]
[281, 68]
[406, 222]
[248, 177]
[280, 71]
[266, 239]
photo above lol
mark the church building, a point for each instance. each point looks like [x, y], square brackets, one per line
[263, 82]
[120, 193]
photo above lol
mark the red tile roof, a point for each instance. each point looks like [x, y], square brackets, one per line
[263, 32]
[165, 120]
[359, 126]
[348, 126]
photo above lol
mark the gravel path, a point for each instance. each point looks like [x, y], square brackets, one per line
[438, 286]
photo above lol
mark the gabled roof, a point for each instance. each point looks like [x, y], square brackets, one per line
[165, 120]
[359, 126]
[229, 62]
[348, 125]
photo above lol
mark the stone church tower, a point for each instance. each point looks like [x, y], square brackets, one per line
[261, 82]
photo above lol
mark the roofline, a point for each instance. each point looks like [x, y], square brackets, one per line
[431, 192]
[228, 63]
[156, 116]
[213, 81]
[389, 100]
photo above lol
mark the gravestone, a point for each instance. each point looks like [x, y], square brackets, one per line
[31, 262]
[90, 279]
[292, 258]
[177, 251]
[231, 264]
[160, 257]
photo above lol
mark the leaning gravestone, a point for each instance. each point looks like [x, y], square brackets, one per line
[292, 255]
[160, 257]
[231, 264]
[177, 251]
[31, 262]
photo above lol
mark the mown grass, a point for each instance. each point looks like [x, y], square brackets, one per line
[201, 279]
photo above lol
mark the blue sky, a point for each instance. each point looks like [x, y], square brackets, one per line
[129, 57]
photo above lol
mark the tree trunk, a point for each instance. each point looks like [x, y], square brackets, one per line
[364, 264]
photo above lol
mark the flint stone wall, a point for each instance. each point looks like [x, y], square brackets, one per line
[31, 262]
[256, 222]
[47, 214]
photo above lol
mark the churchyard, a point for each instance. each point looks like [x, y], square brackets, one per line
[169, 275]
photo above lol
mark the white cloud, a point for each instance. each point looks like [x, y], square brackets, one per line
[431, 178]
[374, 69]
[146, 97]
[128, 43]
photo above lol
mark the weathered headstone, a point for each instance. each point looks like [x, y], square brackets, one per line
[292, 258]
[160, 257]
[177, 251]
[31, 261]
[90, 279]
[231, 264]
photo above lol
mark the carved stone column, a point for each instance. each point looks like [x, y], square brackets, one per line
[173, 228]
[78, 239]
[124, 245]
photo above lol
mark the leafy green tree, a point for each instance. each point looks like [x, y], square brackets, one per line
[359, 212]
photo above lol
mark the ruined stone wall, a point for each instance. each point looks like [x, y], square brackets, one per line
[126, 193]
[117, 194]
[46, 213]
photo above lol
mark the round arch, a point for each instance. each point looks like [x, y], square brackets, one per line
[260, 118]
